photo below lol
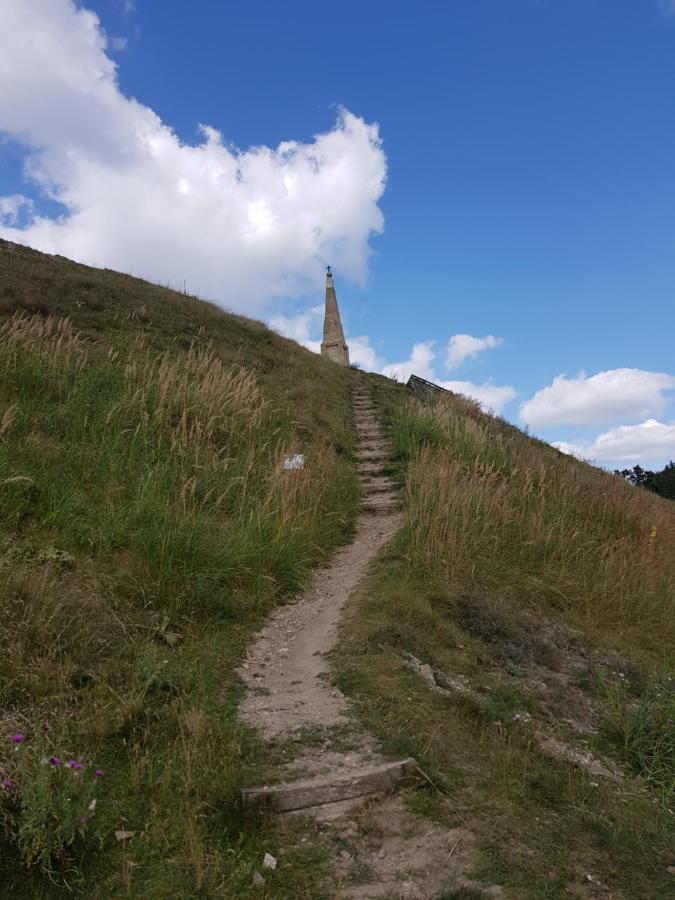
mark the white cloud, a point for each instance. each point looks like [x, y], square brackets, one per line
[570, 449]
[362, 354]
[490, 396]
[119, 44]
[237, 226]
[651, 440]
[300, 327]
[420, 362]
[464, 346]
[615, 394]
[11, 205]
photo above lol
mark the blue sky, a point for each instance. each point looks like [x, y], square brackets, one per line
[497, 174]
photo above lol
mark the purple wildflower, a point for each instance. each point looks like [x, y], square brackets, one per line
[515, 718]
[8, 784]
[84, 820]
[670, 721]
[17, 738]
[54, 761]
[74, 764]
[99, 773]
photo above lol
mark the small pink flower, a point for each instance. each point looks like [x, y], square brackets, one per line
[54, 761]
[84, 820]
[99, 773]
[515, 718]
[17, 738]
[75, 765]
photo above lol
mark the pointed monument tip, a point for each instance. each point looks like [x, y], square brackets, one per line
[333, 345]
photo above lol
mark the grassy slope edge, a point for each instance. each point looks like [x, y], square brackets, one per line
[548, 588]
[146, 528]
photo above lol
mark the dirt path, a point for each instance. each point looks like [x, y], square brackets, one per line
[378, 848]
[286, 670]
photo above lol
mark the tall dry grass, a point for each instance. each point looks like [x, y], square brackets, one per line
[146, 528]
[487, 505]
[175, 457]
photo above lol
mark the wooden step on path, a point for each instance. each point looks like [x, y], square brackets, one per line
[325, 789]
[370, 454]
[371, 441]
[373, 469]
[379, 487]
[370, 467]
[380, 506]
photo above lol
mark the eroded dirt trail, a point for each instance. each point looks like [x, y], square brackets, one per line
[335, 773]
[286, 670]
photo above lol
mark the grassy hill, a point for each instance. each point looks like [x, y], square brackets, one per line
[146, 529]
[541, 592]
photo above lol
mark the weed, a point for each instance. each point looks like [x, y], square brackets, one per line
[425, 802]
[506, 703]
[649, 735]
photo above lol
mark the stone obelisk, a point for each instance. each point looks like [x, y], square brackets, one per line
[333, 345]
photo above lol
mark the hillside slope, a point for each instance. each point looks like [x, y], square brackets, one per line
[518, 639]
[517, 635]
[146, 527]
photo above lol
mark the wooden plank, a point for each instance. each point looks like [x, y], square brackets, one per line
[327, 789]
[381, 507]
[389, 488]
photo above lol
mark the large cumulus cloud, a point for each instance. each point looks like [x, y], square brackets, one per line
[238, 226]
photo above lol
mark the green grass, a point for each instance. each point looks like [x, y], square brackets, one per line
[516, 568]
[146, 529]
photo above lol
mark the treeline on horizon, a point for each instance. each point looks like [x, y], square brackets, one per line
[662, 483]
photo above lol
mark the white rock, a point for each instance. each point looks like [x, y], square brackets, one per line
[269, 861]
[427, 674]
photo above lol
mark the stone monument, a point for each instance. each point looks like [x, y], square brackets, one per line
[333, 345]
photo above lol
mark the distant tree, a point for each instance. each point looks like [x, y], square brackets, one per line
[662, 483]
[637, 475]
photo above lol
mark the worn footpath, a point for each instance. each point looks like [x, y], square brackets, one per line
[335, 774]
